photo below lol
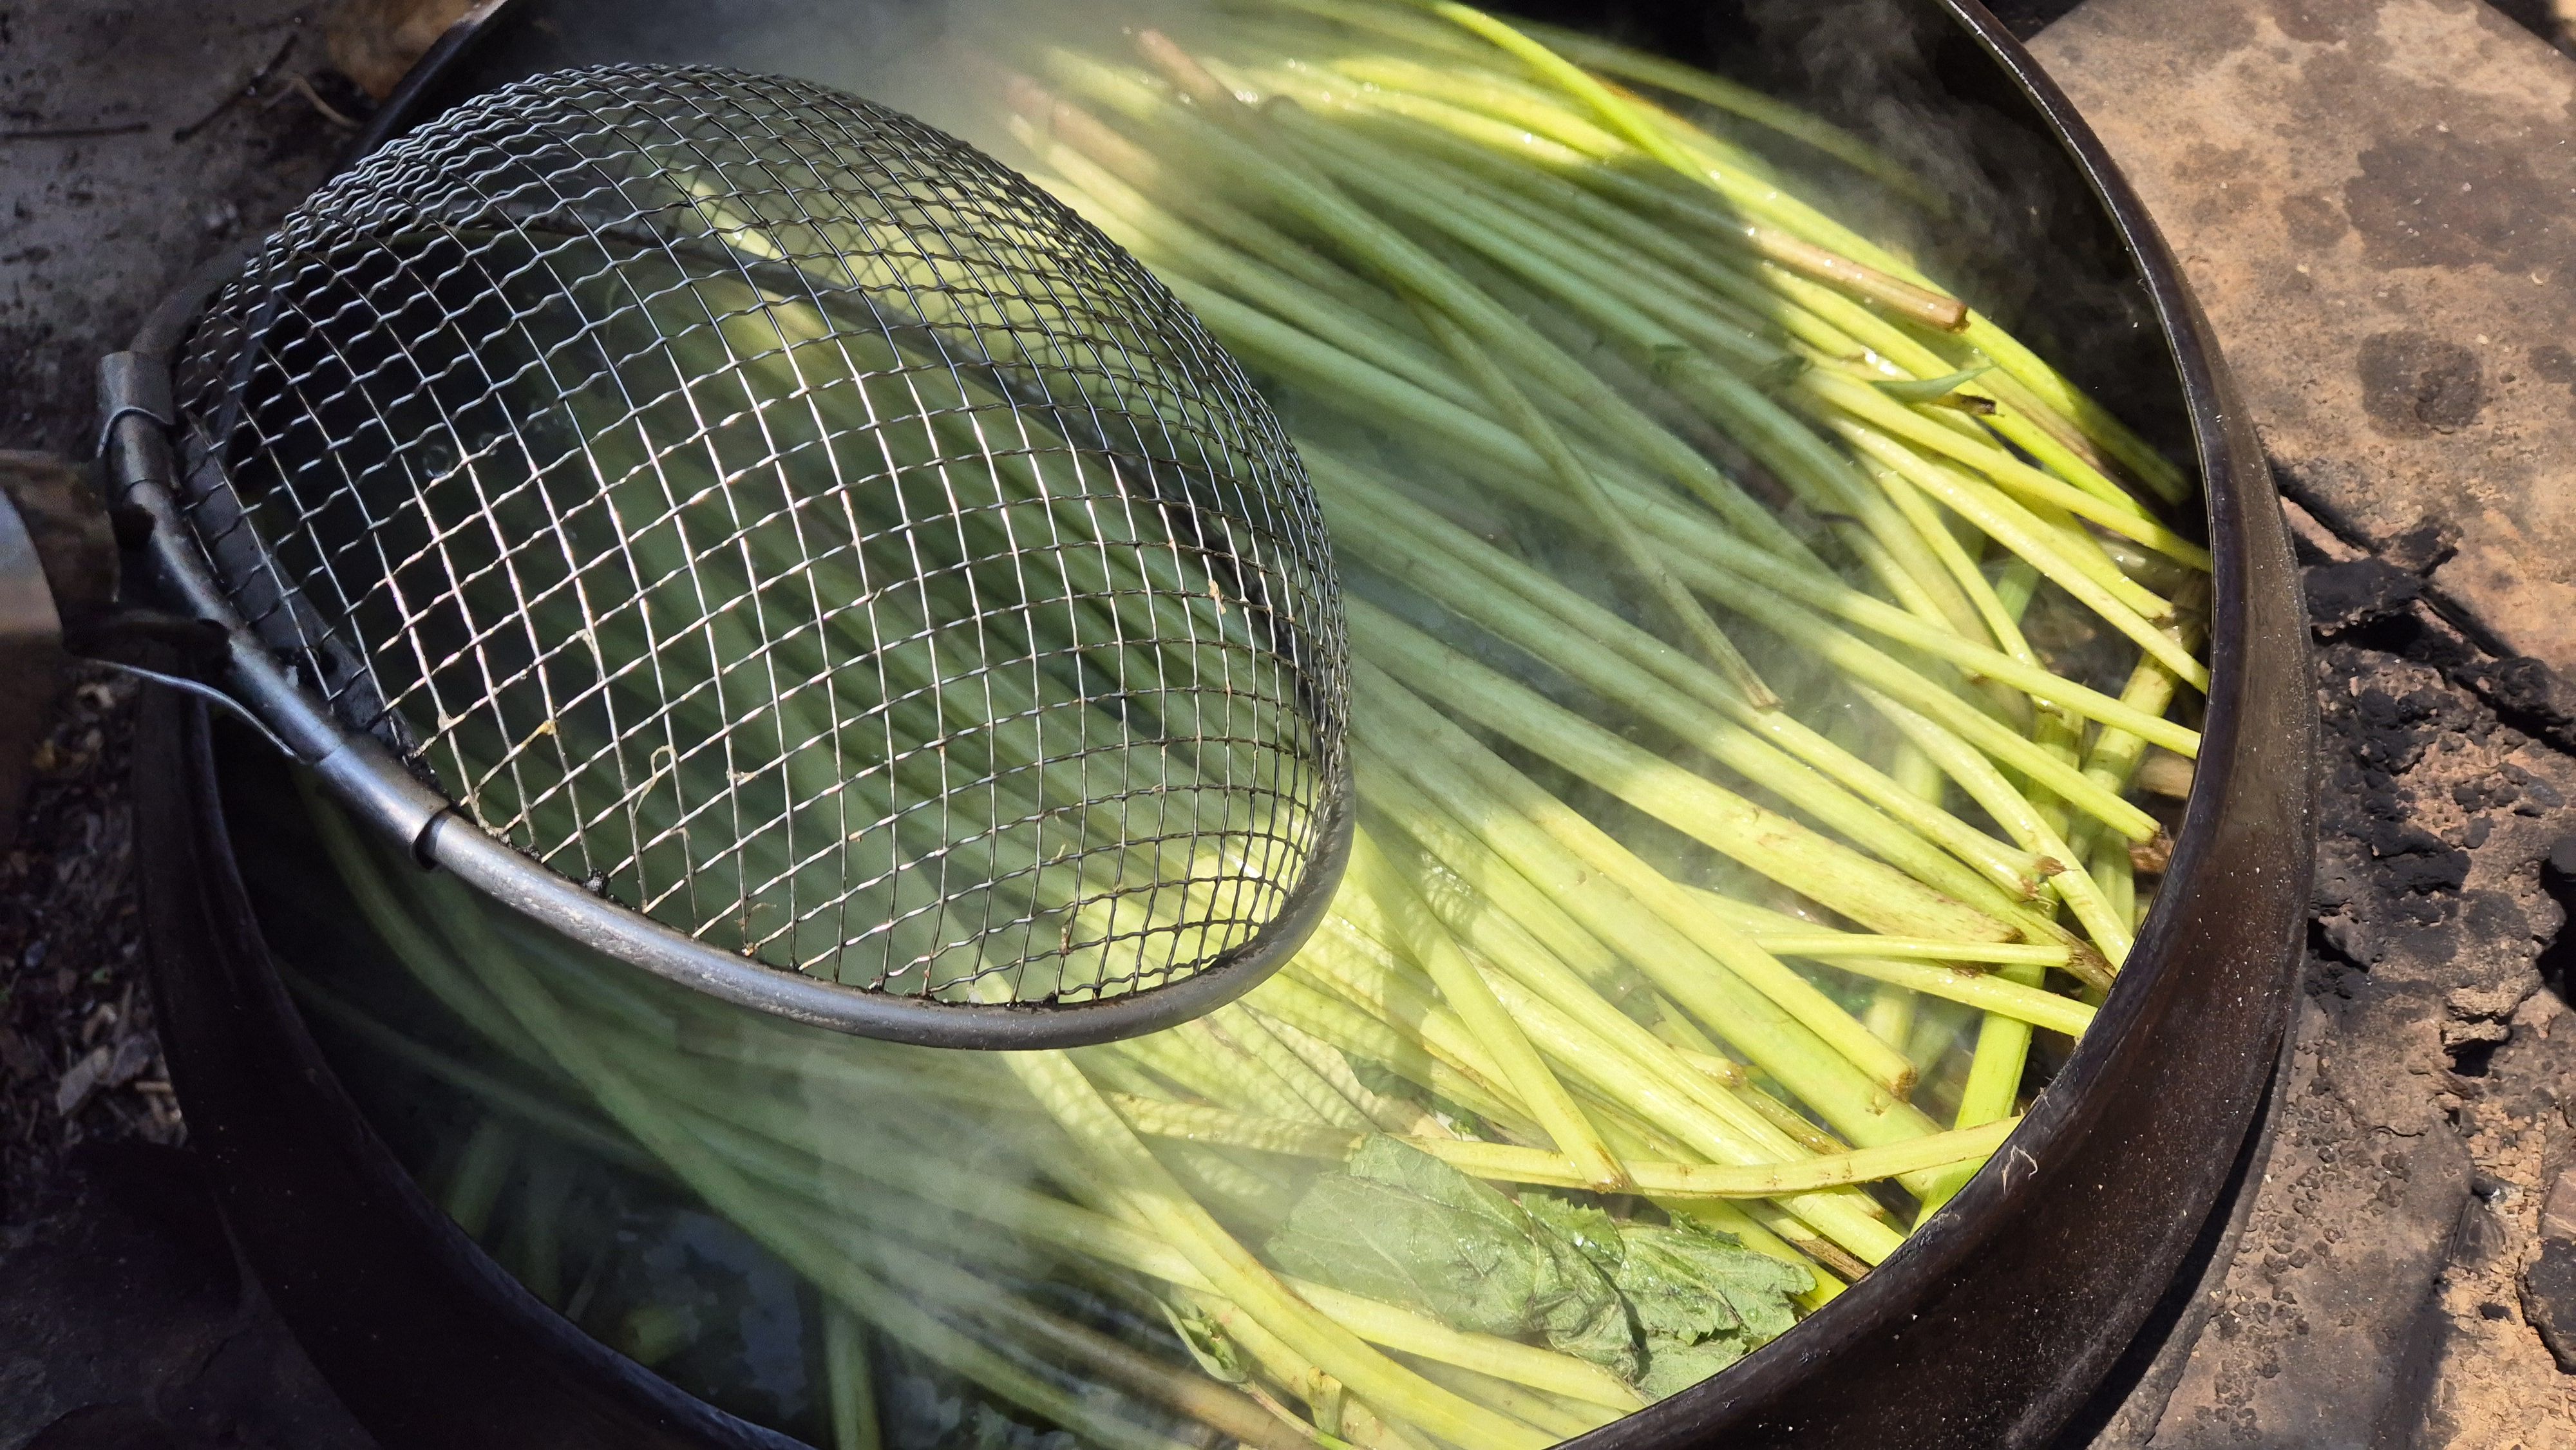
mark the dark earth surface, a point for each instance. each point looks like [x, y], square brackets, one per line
[2403, 1272]
[136, 140]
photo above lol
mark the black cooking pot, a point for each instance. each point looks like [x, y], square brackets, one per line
[1988, 1328]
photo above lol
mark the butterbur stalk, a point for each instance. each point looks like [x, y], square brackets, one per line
[849, 1382]
[1462, 984]
[1569, 469]
[1755, 648]
[1151, 1193]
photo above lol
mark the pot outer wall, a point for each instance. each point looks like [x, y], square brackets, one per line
[1988, 1329]
[429, 1343]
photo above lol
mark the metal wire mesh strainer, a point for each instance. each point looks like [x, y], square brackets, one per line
[798, 538]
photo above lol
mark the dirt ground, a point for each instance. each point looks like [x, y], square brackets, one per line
[2393, 1282]
[135, 141]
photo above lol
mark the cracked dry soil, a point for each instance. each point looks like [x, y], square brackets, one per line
[2378, 1295]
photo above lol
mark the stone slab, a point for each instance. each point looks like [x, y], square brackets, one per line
[2376, 200]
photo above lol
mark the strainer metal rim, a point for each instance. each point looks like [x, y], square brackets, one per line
[137, 391]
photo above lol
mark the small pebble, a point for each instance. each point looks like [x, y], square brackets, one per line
[2562, 857]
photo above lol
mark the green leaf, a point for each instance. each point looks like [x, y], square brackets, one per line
[1931, 390]
[1672, 1366]
[1702, 1299]
[1664, 1306]
[1588, 1323]
[1205, 1342]
[1391, 1229]
[1400, 1226]
[1580, 1224]
[1687, 1283]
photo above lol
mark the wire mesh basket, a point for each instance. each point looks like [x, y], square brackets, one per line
[789, 524]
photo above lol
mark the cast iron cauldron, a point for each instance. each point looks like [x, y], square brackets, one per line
[1989, 1328]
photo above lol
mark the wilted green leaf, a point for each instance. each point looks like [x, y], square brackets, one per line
[1702, 1299]
[1672, 1366]
[1665, 1306]
[1206, 1343]
[1931, 390]
[1400, 1226]
[1580, 1224]
[1690, 1283]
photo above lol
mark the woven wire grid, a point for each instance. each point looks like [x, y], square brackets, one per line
[790, 522]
